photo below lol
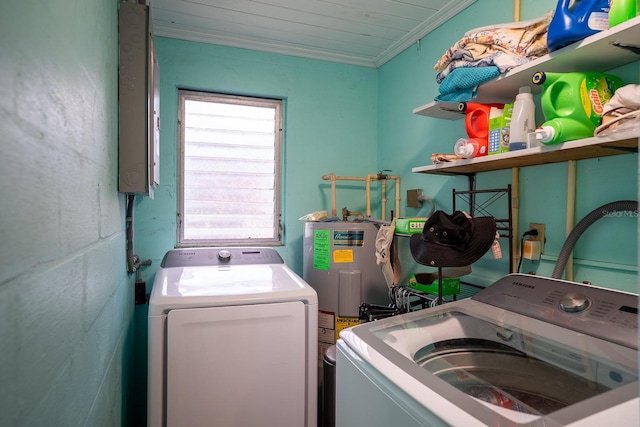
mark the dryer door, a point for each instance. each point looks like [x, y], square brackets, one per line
[237, 366]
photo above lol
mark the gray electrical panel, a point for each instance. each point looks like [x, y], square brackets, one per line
[139, 102]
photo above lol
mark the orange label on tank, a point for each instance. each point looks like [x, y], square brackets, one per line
[342, 256]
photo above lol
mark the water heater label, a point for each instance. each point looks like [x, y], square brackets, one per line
[343, 255]
[348, 238]
[344, 323]
[321, 249]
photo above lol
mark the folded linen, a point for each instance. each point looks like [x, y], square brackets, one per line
[462, 83]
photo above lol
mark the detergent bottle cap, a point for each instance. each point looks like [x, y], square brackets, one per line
[466, 148]
[545, 133]
[524, 93]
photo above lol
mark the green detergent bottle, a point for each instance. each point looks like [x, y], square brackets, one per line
[573, 103]
[622, 10]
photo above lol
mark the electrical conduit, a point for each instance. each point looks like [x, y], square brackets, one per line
[515, 184]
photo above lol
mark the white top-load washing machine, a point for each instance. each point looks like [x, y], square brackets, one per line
[525, 351]
[232, 341]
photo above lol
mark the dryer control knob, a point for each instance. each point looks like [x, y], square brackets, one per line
[224, 255]
[574, 302]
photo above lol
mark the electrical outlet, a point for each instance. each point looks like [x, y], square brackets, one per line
[540, 237]
[413, 198]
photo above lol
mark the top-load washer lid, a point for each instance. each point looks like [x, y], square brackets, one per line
[550, 366]
[210, 277]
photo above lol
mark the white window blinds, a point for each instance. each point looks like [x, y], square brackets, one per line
[229, 170]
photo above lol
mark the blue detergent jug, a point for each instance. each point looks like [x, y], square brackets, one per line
[572, 23]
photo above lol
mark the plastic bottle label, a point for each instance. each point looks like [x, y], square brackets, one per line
[598, 21]
[594, 93]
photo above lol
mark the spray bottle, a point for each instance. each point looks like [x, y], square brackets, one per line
[523, 120]
[574, 20]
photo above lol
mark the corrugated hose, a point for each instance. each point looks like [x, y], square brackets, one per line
[601, 212]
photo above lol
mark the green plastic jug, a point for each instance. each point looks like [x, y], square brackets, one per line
[573, 103]
[621, 10]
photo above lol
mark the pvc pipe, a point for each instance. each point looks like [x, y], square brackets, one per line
[367, 180]
[384, 193]
[383, 199]
[368, 194]
[332, 177]
[398, 197]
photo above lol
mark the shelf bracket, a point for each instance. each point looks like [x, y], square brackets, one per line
[630, 47]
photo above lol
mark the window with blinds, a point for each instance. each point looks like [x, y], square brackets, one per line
[229, 170]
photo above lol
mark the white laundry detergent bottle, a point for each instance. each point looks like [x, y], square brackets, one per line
[523, 120]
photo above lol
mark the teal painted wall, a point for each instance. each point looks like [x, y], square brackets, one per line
[330, 125]
[606, 254]
[354, 121]
[66, 303]
[67, 319]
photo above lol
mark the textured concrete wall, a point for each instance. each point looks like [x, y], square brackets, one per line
[66, 302]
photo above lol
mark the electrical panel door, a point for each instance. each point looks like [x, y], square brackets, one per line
[139, 102]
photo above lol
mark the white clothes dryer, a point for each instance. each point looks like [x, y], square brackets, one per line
[232, 341]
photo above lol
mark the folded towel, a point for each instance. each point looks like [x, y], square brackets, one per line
[503, 61]
[461, 84]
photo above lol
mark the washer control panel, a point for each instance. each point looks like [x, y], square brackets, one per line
[206, 257]
[599, 312]
[574, 302]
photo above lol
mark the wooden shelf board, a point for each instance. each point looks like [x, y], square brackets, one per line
[603, 146]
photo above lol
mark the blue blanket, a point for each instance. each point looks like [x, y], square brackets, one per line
[462, 83]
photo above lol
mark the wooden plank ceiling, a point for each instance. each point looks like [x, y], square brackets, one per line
[358, 32]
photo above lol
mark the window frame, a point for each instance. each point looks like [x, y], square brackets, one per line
[278, 105]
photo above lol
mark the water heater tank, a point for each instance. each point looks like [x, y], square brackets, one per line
[339, 262]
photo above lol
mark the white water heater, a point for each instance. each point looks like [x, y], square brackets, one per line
[339, 262]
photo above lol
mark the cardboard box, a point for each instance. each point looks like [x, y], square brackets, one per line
[410, 225]
[499, 130]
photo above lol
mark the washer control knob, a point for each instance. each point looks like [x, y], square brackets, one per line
[574, 302]
[224, 255]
